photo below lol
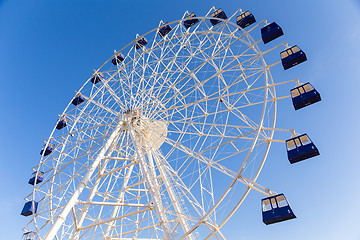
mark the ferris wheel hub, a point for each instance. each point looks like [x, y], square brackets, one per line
[211, 99]
[149, 134]
[134, 113]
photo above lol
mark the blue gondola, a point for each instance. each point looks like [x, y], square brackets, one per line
[300, 148]
[292, 57]
[190, 20]
[29, 208]
[245, 19]
[117, 59]
[304, 95]
[140, 43]
[78, 99]
[36, 177]
[49, 149]
[30, 235]
[61, 123]
[97, 78]
[276, 209]
[217, 14]
[164, 29]
[271, 32]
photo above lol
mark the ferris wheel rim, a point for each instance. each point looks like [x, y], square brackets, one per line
[179, 22]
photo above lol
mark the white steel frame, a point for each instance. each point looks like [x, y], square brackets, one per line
[102, 182]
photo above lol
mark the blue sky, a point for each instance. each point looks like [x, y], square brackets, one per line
[49, 48]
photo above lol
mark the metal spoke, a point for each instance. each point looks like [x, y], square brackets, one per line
[142, 156]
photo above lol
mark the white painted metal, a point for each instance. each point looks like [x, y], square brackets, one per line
[61, 217]
[120, 200]
[95, 187]
[147, 168]
[172, 192]
[142, 158]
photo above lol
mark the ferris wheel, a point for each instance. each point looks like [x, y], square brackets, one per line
[167, 138]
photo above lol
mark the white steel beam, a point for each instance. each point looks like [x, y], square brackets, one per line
[81, 185]
[94, 189]
[171, 191]
[120, 199]
[113, 219]
[116, 204]
[150, 178]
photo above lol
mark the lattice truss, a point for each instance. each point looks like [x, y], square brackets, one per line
[205, 108]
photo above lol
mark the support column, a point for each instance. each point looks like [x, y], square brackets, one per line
[153, 188]
[93, 191]
[172, 193]
[119, 200]
[81, 185]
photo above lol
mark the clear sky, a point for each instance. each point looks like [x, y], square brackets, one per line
[49, 48]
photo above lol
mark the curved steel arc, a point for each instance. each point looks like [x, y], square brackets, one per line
[148, 159]
[268, 85]
[245, 161]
